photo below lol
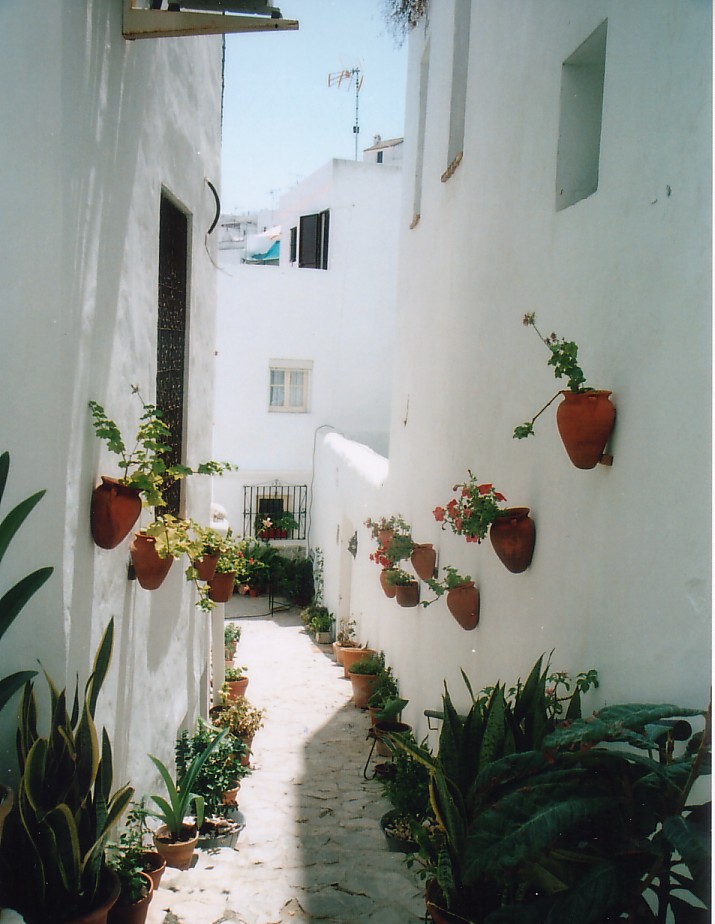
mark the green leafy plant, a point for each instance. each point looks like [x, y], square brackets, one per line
[451, 579]
[345, 636]
[235, 673]
[171, 811]
[172, 537]
[52, 855]
[283, 522]
[239, 716]
[394, 540]
[396, 524]
[231, 633]
[221, 770]
[406, 783]
[563, 359]
[126, 857]
[396, 577]
[373, 665]
[17, 596]
[144, 466]
[317, 618]
[473, 511]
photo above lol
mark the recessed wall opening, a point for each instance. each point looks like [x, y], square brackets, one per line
[421, 127]
[460, 63]
[579, 148]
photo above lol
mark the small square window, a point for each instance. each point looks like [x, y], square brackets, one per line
[288, 389]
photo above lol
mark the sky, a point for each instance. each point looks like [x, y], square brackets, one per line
[282, 121]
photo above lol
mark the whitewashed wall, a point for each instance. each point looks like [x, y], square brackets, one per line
[340, 319]
[99, 126]
[620, 579]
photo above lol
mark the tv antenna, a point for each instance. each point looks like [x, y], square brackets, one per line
[351, 75]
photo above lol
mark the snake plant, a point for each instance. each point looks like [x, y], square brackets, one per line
[52, 854]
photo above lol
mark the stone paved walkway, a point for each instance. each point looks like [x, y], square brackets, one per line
[312, 849]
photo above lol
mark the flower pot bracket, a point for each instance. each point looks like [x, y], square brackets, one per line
[436, 715]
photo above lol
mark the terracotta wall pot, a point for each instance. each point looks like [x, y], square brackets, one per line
[389, 589]
[408, 594]
[423, 560]
[221, 586]
[177, 854]
[385, 536]
[136, 912]
[512, 536]
[585, 421]
[154, 865]
[237, 688]
[148, 567]
[363, 685]
[351, 655]
[206, 566]
[463, 604]
[110, 889]
[115, 508]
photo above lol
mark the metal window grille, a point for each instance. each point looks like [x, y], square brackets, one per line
[171, 333]
[263, 502]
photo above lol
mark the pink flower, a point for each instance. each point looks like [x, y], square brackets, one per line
[438, 514]
[485, 489]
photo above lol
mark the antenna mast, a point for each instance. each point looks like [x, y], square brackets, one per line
[349, 75]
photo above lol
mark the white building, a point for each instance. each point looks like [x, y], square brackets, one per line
[307, 346]
[558, 161]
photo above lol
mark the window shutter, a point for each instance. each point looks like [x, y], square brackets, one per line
[308, 243]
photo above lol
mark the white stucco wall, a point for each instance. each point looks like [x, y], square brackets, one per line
[620, 579]
[99, 126]
[341, 320]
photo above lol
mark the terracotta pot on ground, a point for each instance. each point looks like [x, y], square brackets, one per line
[115, 508]
[177, 854]
[338, 650]
[351, 655]
[463, 604]
[153, 865]
[512, 536]
[221, 586]
[237, 688]
[585, 421]
[230, 796]
[384, 728]
[407, 594]
[363, 685]
[109, 895]
[423, 560]
[206, 566]
[148, 567]
[389, 589]
[134, 913]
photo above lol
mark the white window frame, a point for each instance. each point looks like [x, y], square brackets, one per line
[288, 367]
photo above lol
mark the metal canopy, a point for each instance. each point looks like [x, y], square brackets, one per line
[218, 17]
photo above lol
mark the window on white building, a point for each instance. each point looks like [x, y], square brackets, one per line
[313, 240]
[289, 386]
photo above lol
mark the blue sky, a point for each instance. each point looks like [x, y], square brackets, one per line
[281, 119]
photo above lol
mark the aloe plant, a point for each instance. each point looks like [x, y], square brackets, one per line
[52, 853]
[541, 820]
[181, 795]
[14, 599]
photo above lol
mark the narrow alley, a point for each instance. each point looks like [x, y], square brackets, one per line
[312, 848]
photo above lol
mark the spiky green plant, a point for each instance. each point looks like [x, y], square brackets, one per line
[52, 853]
[14, 599]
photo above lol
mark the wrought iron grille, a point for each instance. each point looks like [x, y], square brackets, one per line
[271, 502]
[171, 333]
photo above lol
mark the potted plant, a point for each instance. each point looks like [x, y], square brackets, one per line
[13, 601]
[385, 691]
[344, 638]
[212, 544]
[228, 569]
[136, 888]
[235, 682]
[385, 528]
[352, 655]
[394, 543]
[405, 785]
[407, 589]
[320, 622]
[586, 416]
[135, 838]
[175, 839]
[217, 782]
[52, 856]
[363, 676]
[241, 719]
[473, 511]
[231, 637]
[462, 596]
[117, 502]
[275, 527]
[155, 547]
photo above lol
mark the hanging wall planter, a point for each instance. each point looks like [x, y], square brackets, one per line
[221, 586]
[149, 568]
[463, 604]
[513, 535]
[423, 560]
[585, 421]
[206, 566]
[115, 508]
[389, 589]
[407, 595]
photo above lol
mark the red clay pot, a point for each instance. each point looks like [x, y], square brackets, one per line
[148, 567]
[363, 685]
[512, 536]
[153, 865]
[407, 594]
[221, 586]
[98, 915]
[385, 536]
[389, 589]
[177, 854]
[585, 421]
[136, 912]
[423, 560]
[463, 604]
[351, 655]
[115, 508]
[237, 688]
[206, 566]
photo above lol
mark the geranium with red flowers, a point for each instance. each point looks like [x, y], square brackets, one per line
[473, 511]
